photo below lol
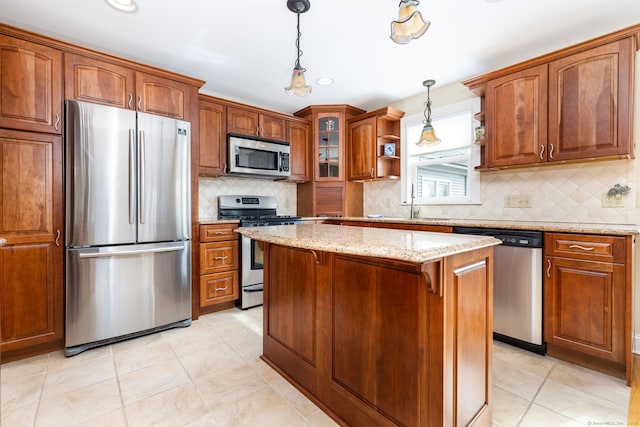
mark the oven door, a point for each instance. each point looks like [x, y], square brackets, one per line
[252, 262]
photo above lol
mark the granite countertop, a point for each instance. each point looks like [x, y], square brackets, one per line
[3, 242]
[560, 227]
[411, 246]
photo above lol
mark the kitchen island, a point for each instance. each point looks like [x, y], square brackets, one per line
[381, 327]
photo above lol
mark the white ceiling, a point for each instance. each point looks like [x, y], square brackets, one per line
[245, 49]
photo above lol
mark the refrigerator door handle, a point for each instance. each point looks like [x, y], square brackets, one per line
[132, 252]
[141, 189]
[132, 175]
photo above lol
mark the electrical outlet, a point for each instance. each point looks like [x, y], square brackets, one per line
[517, 201]
[612, 202]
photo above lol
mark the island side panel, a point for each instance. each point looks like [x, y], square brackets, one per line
[468, 338]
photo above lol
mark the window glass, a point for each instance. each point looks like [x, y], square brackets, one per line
[443, 173]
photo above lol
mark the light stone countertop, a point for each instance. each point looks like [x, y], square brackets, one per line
[412, 246]
[210, 221]
[3, 242]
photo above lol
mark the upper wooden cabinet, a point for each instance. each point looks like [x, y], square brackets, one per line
[572, 104]
[30, 86]
[299, 145]
[213, 147]
[516, 118]
[374, 145]
[253, 123]
[110, 83]
[100, 82]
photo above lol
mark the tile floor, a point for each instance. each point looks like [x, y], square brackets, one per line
[210, 375]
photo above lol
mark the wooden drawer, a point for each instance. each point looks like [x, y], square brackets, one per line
[216, 257]
[218, 287]
[218, 232]
[586, 246]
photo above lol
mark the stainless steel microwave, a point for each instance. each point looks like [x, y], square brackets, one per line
[257, 157]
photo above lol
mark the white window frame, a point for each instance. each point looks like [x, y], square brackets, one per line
[473, 176]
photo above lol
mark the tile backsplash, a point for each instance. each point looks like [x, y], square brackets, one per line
[559, 193]
[211, 188]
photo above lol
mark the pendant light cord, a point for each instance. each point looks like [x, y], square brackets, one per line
[427, 108]
[298, 46]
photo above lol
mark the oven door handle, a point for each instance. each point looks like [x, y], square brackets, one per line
[253, 288]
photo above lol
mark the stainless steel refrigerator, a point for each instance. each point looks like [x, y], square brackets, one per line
[128, 224]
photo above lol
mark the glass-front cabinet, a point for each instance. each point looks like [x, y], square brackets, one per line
[328, 147]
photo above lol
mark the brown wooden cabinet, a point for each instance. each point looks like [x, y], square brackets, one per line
[118, 84]
[587, 300]
[219, 262]
[254, 123]
[213, 144]
[573, 104]
[299, 146]
[329, 193]
[31, 86]
[31, 264]
[374, 145]
[92, 80]
[382, 342]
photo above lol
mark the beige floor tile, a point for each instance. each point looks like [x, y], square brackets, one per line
[58, 360]
[175, 407]
[515, 379]
[22, 416]
[24, 391]
[229, 386]
[580, 405]
[320, 419]
[525, 360]
[77, 375]
[23, 368]
[113, 418]
[149, 350]
[537, 416]
[77, 405]
[154, 379]
[263, 408]
[605, 386]
[210, 360]
[508, 408]
[295, 398]
[198, 336]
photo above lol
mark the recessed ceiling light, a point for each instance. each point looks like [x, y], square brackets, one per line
[324, 81]
[128, 6]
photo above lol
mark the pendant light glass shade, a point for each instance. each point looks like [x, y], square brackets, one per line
[410, 24]
[298, 84]
[428, 135]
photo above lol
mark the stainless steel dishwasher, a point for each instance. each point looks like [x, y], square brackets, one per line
[517, 286]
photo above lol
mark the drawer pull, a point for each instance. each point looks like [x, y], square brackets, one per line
[583, 248]
[221, 232]
[221, 289]
[221, 257]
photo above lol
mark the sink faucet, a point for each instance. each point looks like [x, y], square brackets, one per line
[413, 212]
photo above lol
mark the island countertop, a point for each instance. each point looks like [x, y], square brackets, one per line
[411, 246]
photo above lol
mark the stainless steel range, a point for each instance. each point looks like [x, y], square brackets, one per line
[252, 211]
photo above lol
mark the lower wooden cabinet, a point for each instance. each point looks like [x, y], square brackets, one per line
[587, 296]
[219, 262]
[31, 264]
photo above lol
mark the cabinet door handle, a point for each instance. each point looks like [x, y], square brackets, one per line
[257, 130]
[542, 152]
[551, 151]
[224, 170]
[57, 123]
[130, 101]
[548, 268]
[582, 248]
[139, 102]
[221, 289]
[58, 234]
[371, 172]
[221, 257]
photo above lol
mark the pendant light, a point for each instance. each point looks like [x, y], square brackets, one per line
[428, 135]
[298, 85]
[410, 24]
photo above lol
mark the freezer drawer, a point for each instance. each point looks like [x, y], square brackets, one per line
[117, 291]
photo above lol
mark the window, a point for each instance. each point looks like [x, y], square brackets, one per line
[443, 173]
